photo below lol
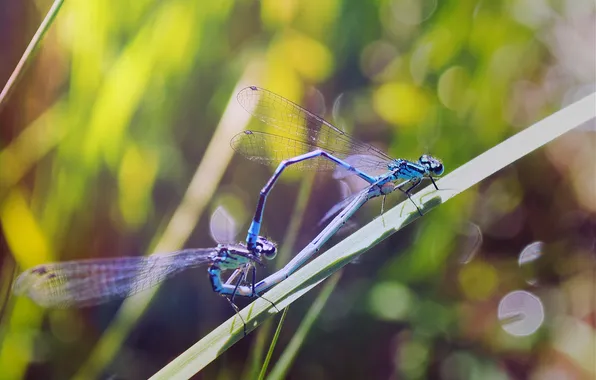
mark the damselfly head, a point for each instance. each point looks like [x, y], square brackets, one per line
[266, 248]
[434, 166]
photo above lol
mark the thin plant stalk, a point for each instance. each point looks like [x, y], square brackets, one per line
[28, 53]
[283, 365]
[273, 343]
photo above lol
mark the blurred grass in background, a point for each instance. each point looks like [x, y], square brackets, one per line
[104, 133]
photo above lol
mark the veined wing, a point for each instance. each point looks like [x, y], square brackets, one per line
[370, 164]
[270, 149]
[301, 124]
[90, 282]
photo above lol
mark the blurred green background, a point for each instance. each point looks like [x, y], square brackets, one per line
[116, 142]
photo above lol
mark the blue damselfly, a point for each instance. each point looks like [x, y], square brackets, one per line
[308, 136]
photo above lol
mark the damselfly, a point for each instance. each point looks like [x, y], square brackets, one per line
[308, 136]
[91, 282]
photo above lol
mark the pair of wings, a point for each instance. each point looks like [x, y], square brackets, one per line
[90, 282]
[301, 132]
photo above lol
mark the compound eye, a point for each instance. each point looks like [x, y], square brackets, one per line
[269, 252]
[266, 248]
[438, 170]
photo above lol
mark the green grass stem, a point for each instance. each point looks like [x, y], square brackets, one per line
[273, 344]
[28, 53]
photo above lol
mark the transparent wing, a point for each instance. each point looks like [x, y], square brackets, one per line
[269, 149]
[370, 164]
[222, 226]
[302, 125]
[90, 282]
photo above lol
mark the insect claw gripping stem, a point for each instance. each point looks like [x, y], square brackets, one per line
[255, 293]
[407, 192]
[237, 310]
[433, 181]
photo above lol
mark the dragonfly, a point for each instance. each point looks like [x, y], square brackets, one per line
[305, 136]
[90, 282]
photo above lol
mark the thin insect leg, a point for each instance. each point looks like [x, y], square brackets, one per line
[410, 197]
[254, 292]
[237, 310]
[231, 301]
[233, 276]
[414, 184]
[433, 181]
[255, 226]
[254, 280]
[407, 192]
[382, 208]
[242, 279]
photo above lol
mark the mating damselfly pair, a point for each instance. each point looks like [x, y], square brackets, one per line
[306, 141]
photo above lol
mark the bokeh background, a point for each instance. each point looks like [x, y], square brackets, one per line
[116, 142]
